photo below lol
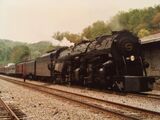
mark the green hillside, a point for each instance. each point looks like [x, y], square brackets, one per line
[11, 51]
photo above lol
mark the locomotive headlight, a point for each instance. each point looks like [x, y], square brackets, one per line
[101, 69]
[132, 58]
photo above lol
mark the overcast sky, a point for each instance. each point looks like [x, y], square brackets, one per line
[37, 20]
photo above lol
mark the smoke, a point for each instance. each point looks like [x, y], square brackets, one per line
[115, 25]
[63, 42]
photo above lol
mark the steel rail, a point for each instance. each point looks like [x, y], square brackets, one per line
[63, 93]
[148, 95]
[8, 109]
[83, 102]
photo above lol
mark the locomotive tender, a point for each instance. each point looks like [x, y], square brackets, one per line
[112, 61]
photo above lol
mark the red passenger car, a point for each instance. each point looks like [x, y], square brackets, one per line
[20, 69]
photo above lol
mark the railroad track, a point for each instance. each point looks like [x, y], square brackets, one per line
[150, 95]
[6, 112]
[143, 95]
[120, 110]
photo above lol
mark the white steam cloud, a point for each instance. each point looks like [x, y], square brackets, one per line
[63, 42]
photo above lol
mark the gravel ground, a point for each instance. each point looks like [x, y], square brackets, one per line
[140, 102]
[40, 106]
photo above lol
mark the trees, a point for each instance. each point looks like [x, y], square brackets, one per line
[72, 37]
[156, 20]
[11, 51]
[39, 48]
[139, 21]
[58, 36]
[4, 52]
[91, 32]
[20, 53]
[143, 33]
[96, 29]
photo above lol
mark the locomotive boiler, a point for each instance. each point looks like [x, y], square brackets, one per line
[113, 61]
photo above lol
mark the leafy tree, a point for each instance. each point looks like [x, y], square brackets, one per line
[75, 38]
[50, 47]
[143, 33]
[10, 51]
[4, 52]
[87, 32]
[138, 21]
[35, 54]
[58, 36]
[96, 29]
[156, 20]
[140, 27]
[39, 48]
[20, 53]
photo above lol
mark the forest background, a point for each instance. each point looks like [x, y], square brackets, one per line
[142, 22]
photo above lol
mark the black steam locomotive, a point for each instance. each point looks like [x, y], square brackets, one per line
[114, 61]
[111, 61]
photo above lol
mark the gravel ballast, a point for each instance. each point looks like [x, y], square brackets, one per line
[40, 106]
[136, 101]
